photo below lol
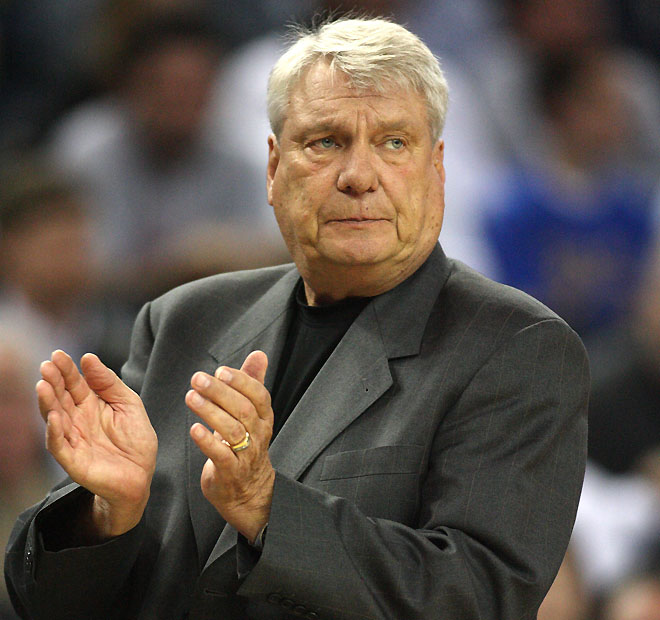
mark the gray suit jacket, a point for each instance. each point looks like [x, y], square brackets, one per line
[431, 470]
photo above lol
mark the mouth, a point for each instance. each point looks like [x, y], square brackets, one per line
[357, 220]
[357, 224]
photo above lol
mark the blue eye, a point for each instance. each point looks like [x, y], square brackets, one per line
[395, 143]
[327, 143]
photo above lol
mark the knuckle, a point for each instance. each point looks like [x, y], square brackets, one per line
[237, 433]
[244, 410]
[263, 400]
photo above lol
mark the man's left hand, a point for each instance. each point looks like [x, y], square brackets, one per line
[239, 483]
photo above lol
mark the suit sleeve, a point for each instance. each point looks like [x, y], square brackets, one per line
[49, 579]
[496, 507]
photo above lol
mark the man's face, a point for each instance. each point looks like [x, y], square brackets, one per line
[169, 92]
[48, 258]
[357, 182]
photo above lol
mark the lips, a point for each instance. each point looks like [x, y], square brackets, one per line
[358, 219]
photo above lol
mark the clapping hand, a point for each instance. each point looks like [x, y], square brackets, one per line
[238, 477]
[99, 432]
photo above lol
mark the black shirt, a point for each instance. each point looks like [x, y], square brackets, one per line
[312, 336]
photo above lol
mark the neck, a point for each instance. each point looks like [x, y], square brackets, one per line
[330, 285]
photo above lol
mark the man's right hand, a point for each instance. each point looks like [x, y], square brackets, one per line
[99, 432]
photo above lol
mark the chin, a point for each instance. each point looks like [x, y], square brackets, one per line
[357, 252]
[358, 258]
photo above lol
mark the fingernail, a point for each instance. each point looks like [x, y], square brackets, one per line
[224, 375]
[202, 380]
[196, 398]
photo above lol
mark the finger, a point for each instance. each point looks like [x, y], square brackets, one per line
[250, 385]
[105, 382]
[74, 383]
[49, 399]
[46, 398]
[212, 445]
[255, 365]
[225, 396]
[56, 442]
[228, 426]
[51, 374]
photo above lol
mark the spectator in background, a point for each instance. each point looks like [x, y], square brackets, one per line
[536, 30]
[624, 430]
[49, 294]
[49, 283]
[26, 472]
[172, 204]
[568, 597]
[44, 51]
[617, 528]
[49, 51]
[636, 599]
[618, 524]
[638, 23]
[575, 229]
[574, 225]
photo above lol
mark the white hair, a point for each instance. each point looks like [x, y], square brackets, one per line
[373, 53]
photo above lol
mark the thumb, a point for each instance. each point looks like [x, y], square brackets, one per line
[104, 381]
[255, 365]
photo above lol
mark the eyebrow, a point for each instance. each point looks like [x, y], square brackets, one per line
[396, 125]
[318, 128]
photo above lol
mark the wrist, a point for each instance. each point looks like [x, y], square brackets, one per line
[109, 521]
[252, 520]
[260, 539]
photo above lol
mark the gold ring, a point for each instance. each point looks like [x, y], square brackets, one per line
[242, 444]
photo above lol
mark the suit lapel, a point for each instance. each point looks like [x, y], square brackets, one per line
[356, 374]
[263, 327]
[323, 411]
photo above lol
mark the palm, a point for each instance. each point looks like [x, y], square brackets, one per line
[110, 448]
[98, 429]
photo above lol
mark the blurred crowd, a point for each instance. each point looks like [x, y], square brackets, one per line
[132, 158]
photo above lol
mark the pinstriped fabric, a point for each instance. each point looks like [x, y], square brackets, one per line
[431, 470]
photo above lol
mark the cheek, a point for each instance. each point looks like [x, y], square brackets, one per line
[434, 208]
[298, 197]
[422, 210]
[296, 214]
[412, 199]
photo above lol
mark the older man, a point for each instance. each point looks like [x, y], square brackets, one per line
[388, 435]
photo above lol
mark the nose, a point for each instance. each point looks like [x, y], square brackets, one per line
[358, 171]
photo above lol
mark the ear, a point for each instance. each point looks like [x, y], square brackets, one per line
[438, 156]
[273, 163]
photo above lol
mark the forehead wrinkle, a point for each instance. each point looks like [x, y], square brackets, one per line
[323, 102]
[338, 118]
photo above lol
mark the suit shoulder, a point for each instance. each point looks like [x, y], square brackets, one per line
[478, 317]
[479, 298]
[230, 293]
